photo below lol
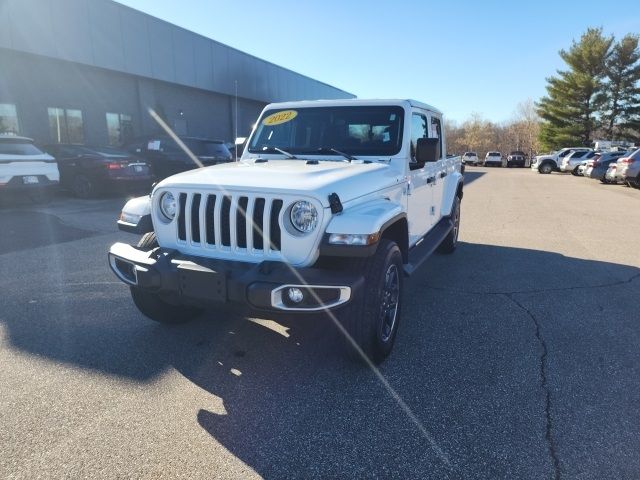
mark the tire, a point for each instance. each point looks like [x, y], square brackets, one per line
[152, 305]
[82, 187]
[372, 318]
[450, 242]
[545, 168]
[574, 172]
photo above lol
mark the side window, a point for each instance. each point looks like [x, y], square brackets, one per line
[418, 130]
[436, 132]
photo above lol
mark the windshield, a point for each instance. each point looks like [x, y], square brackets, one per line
[362, 130]
[19, 148]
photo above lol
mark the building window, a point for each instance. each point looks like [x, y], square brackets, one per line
[119, 128]
[66, 125]
[9, 119]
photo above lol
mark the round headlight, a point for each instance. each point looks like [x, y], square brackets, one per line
[168, 205]
[304, 216]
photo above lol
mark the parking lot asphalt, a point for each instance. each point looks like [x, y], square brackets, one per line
[518, 354]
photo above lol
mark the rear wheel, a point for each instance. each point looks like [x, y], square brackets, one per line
[450, 242]
[372, 317]
[152, 305]
[574, 172]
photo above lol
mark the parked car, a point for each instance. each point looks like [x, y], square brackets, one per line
[90, 170]
[166, 157]
[571, 162]
[493, 159]
[623, 164]
[470, 158]
[633, 174]
[597, 167]
[516, 158]
[551, 163]
[24, 168]
[610, 175]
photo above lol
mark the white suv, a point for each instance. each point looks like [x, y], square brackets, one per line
[470, 158]
[330, 206]
[25, 168]
[493, 159]
[549, 163]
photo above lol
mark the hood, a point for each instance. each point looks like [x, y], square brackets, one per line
[348, 180]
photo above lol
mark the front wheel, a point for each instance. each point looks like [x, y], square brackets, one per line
[151, 305]
[371, 320]
[545, 168]
[82, 186]
[574, 172]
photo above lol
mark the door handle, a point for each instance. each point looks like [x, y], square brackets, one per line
[443, 174]
[431, 179]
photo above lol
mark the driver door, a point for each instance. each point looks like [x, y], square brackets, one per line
[421, 181]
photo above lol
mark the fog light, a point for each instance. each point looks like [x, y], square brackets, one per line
[295, 295]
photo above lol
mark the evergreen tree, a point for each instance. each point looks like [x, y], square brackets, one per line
[622, 111]
[577, 94]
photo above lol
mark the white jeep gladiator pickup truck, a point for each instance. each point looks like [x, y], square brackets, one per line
[329, 205]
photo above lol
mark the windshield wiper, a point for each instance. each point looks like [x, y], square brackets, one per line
[279, 150]
[328, 149]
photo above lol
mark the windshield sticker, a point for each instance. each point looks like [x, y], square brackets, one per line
[153, 145]
[280, 117]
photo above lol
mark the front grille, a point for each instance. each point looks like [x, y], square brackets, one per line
[220, 221]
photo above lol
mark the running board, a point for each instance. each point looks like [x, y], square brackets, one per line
[427, 245]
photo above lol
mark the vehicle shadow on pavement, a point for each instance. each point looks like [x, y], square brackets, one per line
[470, 177]
[467, 362]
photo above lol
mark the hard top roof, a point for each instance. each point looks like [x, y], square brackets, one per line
[354, 102]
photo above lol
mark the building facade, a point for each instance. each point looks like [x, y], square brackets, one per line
[88, 71]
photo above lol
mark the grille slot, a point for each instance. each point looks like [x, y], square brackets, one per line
[231, 222]
[225, 224]
[241, 222]
[258, 215]
[182, 230]
[195, 218]
[209, 219]
[276, 206]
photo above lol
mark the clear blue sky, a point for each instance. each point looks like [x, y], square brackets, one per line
[463, 57]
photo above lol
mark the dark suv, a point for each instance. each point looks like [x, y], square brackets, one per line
[167, 158]
[516, 159]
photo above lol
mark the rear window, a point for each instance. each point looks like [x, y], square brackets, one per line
[109, 151]
[208, 149]
[470, 154]
[494, 154]
[19, 148]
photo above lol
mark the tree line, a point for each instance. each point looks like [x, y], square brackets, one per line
[479, 135]
[596, 97]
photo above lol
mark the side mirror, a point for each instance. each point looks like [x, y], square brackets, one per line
[427, 150]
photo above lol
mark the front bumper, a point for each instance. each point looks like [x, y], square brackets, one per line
[185, 279]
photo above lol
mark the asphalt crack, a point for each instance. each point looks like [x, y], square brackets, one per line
[543, 366]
